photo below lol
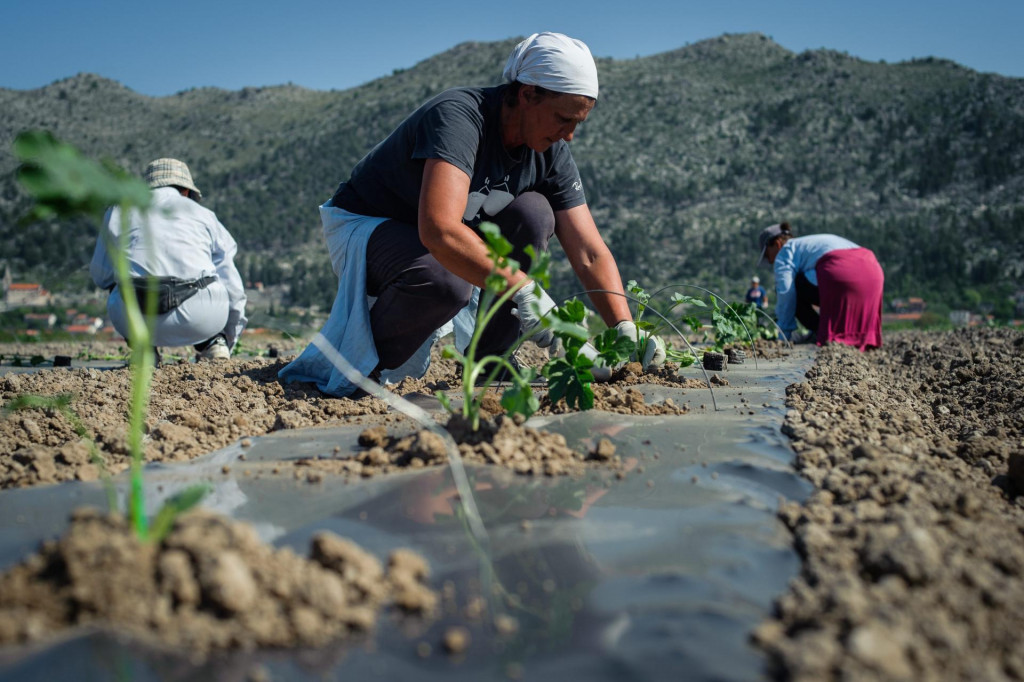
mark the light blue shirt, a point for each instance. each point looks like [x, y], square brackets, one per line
[348, 326]
[800, 255]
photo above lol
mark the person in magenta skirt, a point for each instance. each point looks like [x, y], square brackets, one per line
[841, 279]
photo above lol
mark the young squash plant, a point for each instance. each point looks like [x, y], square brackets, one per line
[65, 184]
[519, 397]
[751, 317]
[658, 327]
[569, 376]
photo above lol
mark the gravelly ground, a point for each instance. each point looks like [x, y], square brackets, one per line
[913, 543]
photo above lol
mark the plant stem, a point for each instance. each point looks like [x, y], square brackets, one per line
[142, 360]
[471, 368]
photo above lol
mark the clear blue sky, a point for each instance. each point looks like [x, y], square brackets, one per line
[162, 48]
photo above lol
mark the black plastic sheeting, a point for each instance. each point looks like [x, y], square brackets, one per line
[662, 574]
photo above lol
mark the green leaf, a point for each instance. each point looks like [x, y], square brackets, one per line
[446, 402]
[572, 311]
[683, 299]
[571, 382]
[693, 322]
[174, 507]
[520, 399]
[540, 265]
[495, 283]
[613, 348]
[65, 184]
[565, 330]
[638, 292]
[565, 321]
[497, 245]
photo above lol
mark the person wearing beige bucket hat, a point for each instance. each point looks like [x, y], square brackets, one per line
[180, 249]
[171, 173]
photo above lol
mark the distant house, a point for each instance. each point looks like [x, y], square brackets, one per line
[961, 318]
[40, 320]
[904, 309]
[83, 324]
[908, 305]
[82, 318]
[18, 294]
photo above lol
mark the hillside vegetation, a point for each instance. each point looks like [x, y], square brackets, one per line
[687, 154]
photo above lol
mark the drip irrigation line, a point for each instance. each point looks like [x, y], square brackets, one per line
[725, 305]
[416, 413]
[664, 319]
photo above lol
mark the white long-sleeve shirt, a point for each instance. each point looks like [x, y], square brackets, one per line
[176, 237]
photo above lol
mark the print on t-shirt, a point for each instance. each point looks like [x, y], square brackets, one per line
[492, 200]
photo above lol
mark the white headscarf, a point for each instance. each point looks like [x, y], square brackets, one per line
[555, 62]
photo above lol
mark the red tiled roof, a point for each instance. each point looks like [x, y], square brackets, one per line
[887, 317]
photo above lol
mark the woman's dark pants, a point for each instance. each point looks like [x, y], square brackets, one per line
[806, 297]
[416, 294]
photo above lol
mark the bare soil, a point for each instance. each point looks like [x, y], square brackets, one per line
[913, 543]
[196, 408]
[210, 584]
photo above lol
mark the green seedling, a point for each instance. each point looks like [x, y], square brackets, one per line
[519, 398]
[88, 355]
[242, 348]
[174, 506]
[726, 328]
[727, 322]
[748, 315]
[63, 184]
[684, 358]
[570, 376]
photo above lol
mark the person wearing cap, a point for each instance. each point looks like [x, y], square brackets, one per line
[181, 249]
[841, 279]
[404, 227]
[756, 293]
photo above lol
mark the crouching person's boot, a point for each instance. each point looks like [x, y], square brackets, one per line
[213, 349]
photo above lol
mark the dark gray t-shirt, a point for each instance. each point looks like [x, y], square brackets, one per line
[463, 127]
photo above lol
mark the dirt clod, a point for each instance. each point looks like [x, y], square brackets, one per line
[211, 584]
[456, 640]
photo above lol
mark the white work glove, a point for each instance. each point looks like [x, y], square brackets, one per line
[533, 303]
[601, 372]
[654, 353]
